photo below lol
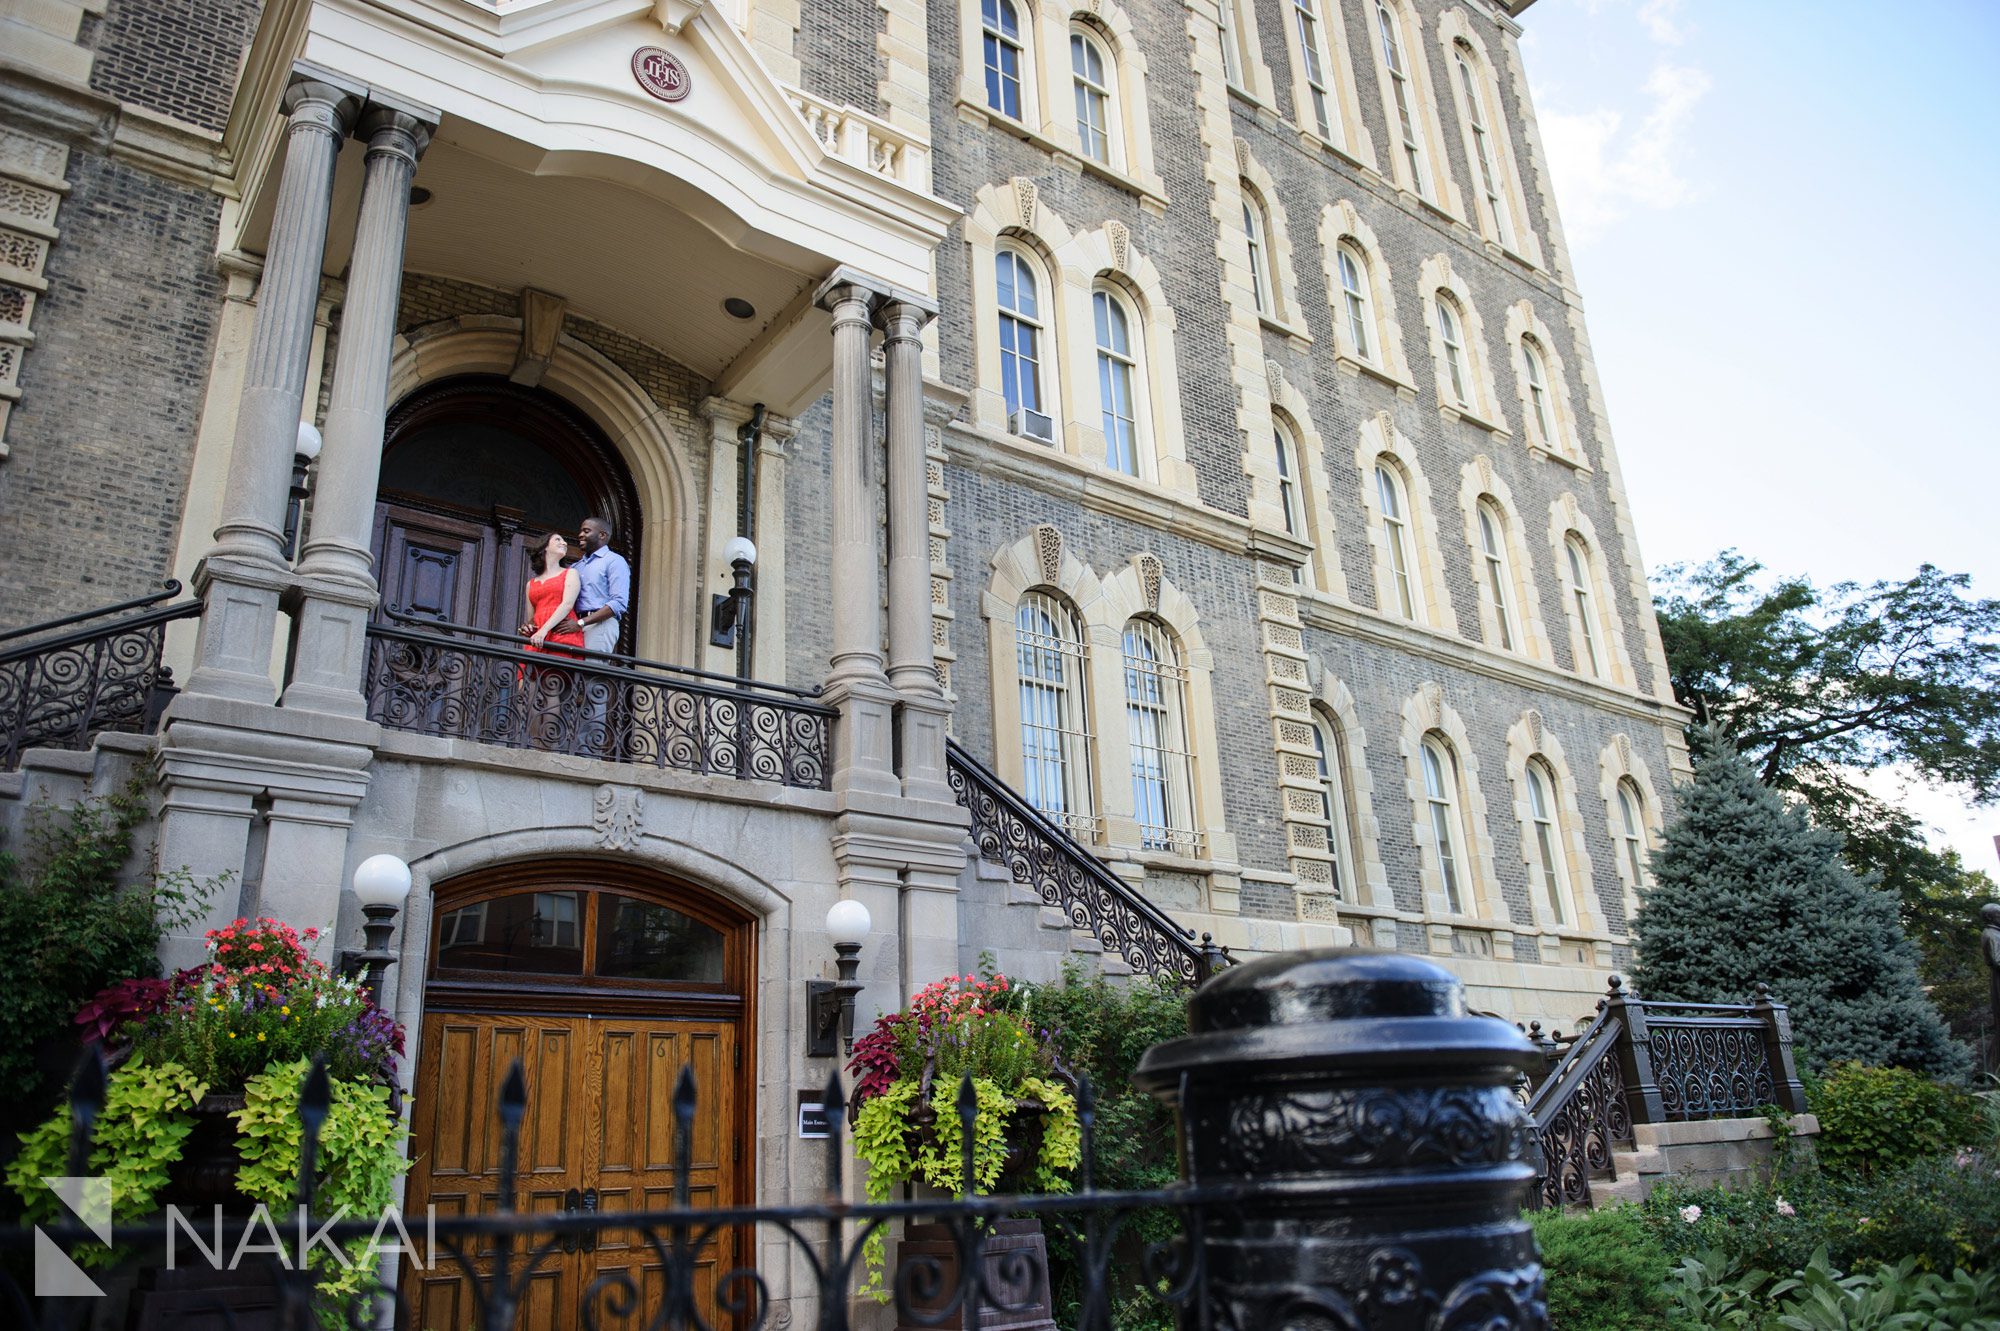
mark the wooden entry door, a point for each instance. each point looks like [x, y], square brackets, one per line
[599, 1134]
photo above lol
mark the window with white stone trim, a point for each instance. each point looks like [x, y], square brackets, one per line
[1499, 205]
[1053, 671]
[1156, 729]
[1023, 333]
[1463, 372]
[1629, 831]
[1257, 235]
[1448, 839]
[1582, 599]
[1091, 74]
[1336, 809]
[1415, 150]
[1118, 375]
[1362, 290]
[1497, 567]
[1402, 527]
[1004, 46]
[1542, 384]
[1399, 546]
[1545, 832]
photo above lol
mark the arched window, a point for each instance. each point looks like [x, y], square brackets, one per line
[1055, 720]
[1538, 392]
[1312, 49]
[1583, 603]
[1257, 232]
[1232, 45]
[1117, 371]
[1156, 720]
[1355, 297]
[1485, 160]
[1286, 456]
[1548, 840]
[1631, 830]
[1020, 334]
[1453, 338]
[1396, 535]
[1000, 23]
[1448, 840]
[1092, 75]
[1403, 94]
[1499, 576]
[1330, 765]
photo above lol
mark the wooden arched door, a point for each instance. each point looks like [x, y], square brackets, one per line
[474, 470]
[604, 981]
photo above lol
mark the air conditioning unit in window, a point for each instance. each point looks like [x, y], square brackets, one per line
[1032, 425]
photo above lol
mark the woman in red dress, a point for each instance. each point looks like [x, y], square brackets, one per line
[549, 627]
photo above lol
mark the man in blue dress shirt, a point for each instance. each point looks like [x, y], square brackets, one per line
[604, 586]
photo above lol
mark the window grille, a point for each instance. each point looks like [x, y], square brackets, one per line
[1156, 717]
[1055, 727]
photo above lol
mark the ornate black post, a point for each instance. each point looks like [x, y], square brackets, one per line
[1777, 1021]
[1378, 1125]
[1635, 1054]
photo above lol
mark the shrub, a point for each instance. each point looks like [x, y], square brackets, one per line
[1709, 1291]
[1877, 1118]
[1606, 1271]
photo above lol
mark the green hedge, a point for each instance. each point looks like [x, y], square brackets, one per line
[1606, 1271]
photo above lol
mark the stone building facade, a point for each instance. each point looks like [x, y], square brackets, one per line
[1185, 404]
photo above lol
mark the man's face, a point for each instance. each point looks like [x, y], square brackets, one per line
[590, 535]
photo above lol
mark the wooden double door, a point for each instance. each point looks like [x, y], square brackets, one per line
[603, 984]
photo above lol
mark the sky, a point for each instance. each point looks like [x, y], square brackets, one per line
[1781, 215]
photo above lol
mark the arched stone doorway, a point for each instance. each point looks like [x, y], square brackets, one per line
[604, 979]
[474, 470]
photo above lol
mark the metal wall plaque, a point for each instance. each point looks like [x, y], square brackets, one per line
[661, 74]
[814, 1121]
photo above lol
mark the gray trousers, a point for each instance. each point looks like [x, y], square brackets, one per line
[599, 637]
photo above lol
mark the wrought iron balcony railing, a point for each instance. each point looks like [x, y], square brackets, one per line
[457, 682]
[104, 674]
[1008, 830]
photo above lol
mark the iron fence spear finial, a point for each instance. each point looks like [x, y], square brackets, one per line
[86, 1101]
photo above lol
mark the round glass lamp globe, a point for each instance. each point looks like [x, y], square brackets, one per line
[382, 880]
[309, 441]
[740, 550]
[848, 922]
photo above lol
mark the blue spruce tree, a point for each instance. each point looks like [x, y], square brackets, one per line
[1746, 889]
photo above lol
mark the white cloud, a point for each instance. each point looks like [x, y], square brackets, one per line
[1661, 20]
[1604, 171]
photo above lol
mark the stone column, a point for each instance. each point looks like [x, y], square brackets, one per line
[920, 719]
[336, 583]
[863, 759]
[244, 572]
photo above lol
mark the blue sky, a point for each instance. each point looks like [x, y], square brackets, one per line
[1782, 215]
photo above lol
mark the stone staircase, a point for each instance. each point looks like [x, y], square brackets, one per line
[1025, 938]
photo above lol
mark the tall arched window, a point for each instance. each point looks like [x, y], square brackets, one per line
[1330, 765]
[1538, 392]
[1055, 718]
[1583, 603]
[1355, 298]
[1548, 840]
[1631, 830]
[1156, 720]
[1499, 576]
[1396, 535]
[1451, 335]
[1485, 160]
[1000, 23]
[1092, 75]
[1312, 50]
[1448, 840]
[1020, 333]
[1285, 455]
[1404, 94]
[1257, 232]
[1232, 47]
[1117, 371]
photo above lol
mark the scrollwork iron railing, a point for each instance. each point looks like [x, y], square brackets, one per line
[1709, 1060]
[1581, 1116]
[1008, 830]
[458, 682]
[64, 691]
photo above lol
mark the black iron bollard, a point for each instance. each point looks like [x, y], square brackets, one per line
[1378, 1124]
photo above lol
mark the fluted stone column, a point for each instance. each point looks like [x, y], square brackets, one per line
[921, 710]
[337, 587]
[244, 572]
[864, 742]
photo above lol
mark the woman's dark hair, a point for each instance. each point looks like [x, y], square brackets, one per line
[538, 554]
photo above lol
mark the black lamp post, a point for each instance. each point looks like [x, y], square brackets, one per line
[303, 454]
[382, 885]
[729, 612]
[830, 1003]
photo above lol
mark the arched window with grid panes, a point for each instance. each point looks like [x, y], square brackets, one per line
[1493, 556]
[1319, 95]
[1540, 415]
[1404, 97]
[1400, 546]
[1357, 300]
[1051, 664]
[1630, 833]
[1091, 75]
[1257, 234]
[1118, 386]
[1450, 848]
[1483, 148]
[1156, 725]
[1451, 333]
[1023, 338]
[1000, 28]
[1336, 810]
[1583, 605]
[1551, 866]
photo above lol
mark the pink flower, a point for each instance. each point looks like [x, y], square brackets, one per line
[1690, 1214]
[1786, 1209]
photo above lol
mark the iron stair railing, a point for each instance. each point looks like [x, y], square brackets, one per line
[1580, 1115]
[105, 674]
[1008, 830]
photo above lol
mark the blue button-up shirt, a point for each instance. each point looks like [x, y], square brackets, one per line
[603, 578]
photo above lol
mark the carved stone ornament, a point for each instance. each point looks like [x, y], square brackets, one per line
[661, 74]
[1024, 202]
[615, 815]
[1149, 579]
[1432, 694]
[1387, 425]
[1049, 551]
[1120, 237]
[1534, 720]
[1622, 742]
[1485, 466]
[1242, 158]
[1274, 379]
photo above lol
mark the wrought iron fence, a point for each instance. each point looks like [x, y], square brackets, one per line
[1008, 830]
[1645, 1062]
[458, 682]
[62, 692]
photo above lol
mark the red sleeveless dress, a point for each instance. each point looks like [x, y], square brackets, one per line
[545, 594]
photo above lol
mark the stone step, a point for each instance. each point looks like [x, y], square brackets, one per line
[1644, 1160]
[1611, 1192]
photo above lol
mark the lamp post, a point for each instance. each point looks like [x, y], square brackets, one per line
[303, 455]
[729, 612]
[830, 1003]
[382, 885]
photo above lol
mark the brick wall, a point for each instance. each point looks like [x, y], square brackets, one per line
[177, 57]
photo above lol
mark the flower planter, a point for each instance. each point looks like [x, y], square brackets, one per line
[1014, 1262]
[205, 1175]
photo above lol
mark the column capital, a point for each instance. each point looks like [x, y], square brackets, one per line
[326, 99]
[903, 320]
[390, 128]
[847, 284]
